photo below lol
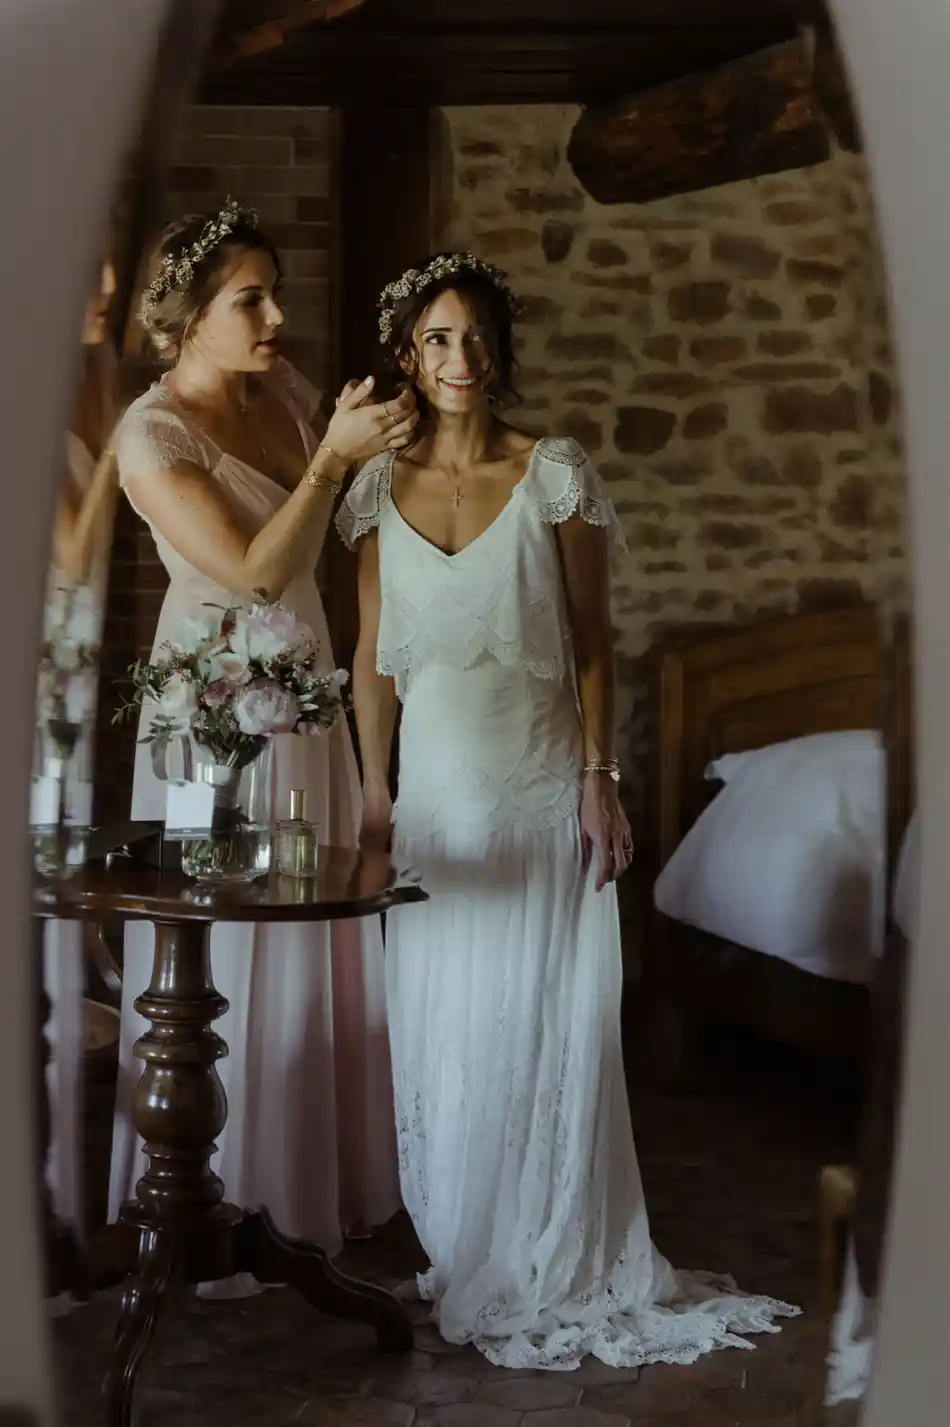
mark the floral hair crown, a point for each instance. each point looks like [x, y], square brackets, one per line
[418, 279]
[178, 272]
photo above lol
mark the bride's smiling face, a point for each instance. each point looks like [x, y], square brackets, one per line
[452, 363]
[237, 329]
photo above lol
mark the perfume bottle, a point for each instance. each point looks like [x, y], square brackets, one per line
[296, 841]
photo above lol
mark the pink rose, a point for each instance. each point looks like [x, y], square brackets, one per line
[217, 694]
[265, 708]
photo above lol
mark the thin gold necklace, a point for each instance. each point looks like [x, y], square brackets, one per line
[243, 406]
[456, 485]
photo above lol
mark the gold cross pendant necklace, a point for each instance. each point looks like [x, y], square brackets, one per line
[456, 485]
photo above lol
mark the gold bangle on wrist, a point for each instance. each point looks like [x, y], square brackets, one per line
[322, 480]
[610, 766]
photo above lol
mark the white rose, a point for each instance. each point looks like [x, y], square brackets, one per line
[177, 703]
[199, 630]
[225, 666]
[80, 697]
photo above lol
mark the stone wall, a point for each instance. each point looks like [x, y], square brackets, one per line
[722, 356]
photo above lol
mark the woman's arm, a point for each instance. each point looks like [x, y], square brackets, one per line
[83, 524]
[586, 568]
[374, 702]
[183, 504]
[189, 511]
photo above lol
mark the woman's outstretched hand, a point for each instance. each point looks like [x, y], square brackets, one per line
[360, 428]
[605, 831]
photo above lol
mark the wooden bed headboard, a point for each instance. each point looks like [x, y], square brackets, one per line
[745, 688]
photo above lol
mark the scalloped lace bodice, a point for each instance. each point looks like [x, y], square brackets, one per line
[501, 595]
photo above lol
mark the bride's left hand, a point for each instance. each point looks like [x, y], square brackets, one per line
[605, 831]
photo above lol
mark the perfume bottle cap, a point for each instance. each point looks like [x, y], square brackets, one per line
[296, 805]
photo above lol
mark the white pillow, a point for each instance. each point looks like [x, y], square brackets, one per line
[861, 744]
[788, 859]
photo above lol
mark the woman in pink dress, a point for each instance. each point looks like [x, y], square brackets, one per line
[76, 587]
[228, 462]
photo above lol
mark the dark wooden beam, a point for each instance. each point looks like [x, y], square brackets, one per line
[385, 165]
[356, 63]
[754, 116]
[834, 93]
[263, 39]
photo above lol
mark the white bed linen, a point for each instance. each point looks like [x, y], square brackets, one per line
[789, 858]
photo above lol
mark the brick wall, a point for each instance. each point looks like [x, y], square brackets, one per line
[277, 160]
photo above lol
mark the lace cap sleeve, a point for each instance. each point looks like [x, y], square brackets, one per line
[149, 439]
[567, 484]
[363, 503]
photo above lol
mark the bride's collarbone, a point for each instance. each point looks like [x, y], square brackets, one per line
[452, 516]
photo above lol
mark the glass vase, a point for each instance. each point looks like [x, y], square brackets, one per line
[234, 846]
[61, 796]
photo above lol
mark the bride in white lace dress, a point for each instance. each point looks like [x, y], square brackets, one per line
[484, 603]
[221, 459]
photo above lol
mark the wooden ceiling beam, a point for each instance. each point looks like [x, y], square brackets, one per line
[264, 39]
[359, 66]
[761, 114]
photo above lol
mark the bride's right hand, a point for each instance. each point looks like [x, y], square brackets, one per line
[360, 428]
[376, 829]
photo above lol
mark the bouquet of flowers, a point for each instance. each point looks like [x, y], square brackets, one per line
[69, 661]
[67, 684]
[233, 679]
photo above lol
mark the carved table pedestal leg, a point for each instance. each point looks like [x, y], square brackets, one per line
[66, 1269]
[186, 1232]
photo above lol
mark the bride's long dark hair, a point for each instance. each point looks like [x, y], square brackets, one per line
[490, 312]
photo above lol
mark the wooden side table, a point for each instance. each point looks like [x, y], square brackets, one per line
[184, 1230]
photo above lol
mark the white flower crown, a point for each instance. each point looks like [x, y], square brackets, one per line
[178, 272]
[446, 265]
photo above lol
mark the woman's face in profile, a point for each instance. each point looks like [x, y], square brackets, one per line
[237, 330]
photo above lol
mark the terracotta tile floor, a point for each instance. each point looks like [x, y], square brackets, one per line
[731, 1177]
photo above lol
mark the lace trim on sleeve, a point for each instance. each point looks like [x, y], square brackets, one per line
[363, 503]
[579, 490]
[150, 439]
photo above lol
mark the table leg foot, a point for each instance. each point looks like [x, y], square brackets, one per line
[138, 1316]
[272, 1257]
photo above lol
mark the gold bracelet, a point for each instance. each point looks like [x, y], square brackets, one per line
[322, 480]
[610, 766]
